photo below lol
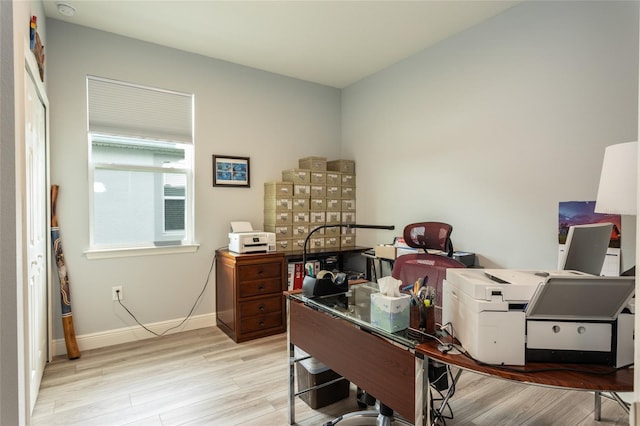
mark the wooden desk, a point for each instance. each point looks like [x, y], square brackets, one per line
[582, 377]
[394, 370]
[390, 372]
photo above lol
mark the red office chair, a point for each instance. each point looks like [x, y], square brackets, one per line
[434, 238]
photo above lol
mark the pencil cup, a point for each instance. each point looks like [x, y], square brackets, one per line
[422, 318]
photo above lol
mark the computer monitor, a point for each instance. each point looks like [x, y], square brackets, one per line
[586, 246]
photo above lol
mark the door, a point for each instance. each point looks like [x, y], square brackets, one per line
[36, 230]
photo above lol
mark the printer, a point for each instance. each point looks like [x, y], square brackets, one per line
[243, 239]
[512, 317]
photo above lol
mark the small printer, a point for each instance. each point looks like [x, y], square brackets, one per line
[243, 239]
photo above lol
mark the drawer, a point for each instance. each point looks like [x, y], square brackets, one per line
[259, 271]
[261, 322]
[260, 307]
[259, 287]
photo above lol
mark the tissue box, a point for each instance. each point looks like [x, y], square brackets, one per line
[390, 313]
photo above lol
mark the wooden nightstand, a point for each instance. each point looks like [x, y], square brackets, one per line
[249, 294]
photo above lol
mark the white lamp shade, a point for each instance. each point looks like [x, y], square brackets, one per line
[617, 193]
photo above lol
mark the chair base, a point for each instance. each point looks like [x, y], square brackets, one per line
[367, 417]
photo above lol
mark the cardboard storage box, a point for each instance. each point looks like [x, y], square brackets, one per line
[343, 166]
[301, 190]
[347, 179]
[310, 372]
[282, 232]
[318, 177]
[318, 191]
[283, 245]
[390, 313]
[313, 163]
[386, 252]
[318, 204]
[278, 217]
[332, 242]
[348, 205]
[333, 191]
[297, 176]
[278, 204]
[347, 240]
[278, 189]
[300, 204]
[333, 178]
[333, 217]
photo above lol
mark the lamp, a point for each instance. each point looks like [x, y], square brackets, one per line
[312, 286]
[617, 192]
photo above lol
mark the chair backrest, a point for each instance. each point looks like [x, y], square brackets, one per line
[429, 235]
[432, 267]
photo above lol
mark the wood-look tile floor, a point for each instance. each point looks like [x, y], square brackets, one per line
[202, 377]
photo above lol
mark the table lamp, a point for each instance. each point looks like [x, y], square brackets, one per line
[322, 286]
[617, 192]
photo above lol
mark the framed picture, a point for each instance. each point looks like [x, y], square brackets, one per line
[231, 171]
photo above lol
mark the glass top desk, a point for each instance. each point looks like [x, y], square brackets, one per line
[337, 331]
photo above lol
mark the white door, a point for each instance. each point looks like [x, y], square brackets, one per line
[36, 224]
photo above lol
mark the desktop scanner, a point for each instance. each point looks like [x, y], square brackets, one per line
[503, 316]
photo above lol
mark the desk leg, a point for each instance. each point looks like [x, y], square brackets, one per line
[292, 389]
[423, 391]
[597, 407]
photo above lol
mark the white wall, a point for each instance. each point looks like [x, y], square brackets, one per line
[490, 129]
[274, 120]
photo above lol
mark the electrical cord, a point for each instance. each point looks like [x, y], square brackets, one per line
[206, 283]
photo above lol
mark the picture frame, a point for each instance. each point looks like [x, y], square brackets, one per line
[231, 171]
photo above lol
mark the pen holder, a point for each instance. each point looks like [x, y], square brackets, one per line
[422, 318]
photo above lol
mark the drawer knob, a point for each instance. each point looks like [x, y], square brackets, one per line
[261, 323]
[261, 307]
[261, 287]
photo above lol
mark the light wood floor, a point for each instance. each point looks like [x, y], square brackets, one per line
[202, 377]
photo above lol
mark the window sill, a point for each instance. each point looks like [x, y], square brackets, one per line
[140, 251]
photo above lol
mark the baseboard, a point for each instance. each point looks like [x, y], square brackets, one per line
[131, 334]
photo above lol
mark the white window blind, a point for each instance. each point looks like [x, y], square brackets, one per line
[125, 109]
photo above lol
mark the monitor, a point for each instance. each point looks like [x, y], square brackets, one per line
[586, 248]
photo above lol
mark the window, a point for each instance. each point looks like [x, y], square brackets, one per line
[141, 166]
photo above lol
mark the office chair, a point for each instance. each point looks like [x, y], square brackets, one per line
[432, 267]
[434, 239]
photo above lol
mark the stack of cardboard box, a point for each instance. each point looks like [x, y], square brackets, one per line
[316, 193]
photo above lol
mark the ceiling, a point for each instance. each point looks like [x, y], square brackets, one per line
[334, 43]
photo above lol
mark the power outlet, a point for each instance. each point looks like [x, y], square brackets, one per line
[116, 292]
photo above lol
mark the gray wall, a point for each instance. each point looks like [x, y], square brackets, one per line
[274, 120]
[490, 129]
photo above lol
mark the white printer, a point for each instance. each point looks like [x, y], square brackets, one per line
[511, 317]
[243, 239]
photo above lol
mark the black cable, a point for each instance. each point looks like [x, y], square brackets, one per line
[206, 283]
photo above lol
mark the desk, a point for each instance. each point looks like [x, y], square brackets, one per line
[557, 375]
[383, 364]
[393, 367]
[323, 254]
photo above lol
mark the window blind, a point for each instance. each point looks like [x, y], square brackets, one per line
[126, 109]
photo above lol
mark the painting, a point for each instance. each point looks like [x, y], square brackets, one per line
[231, 171]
